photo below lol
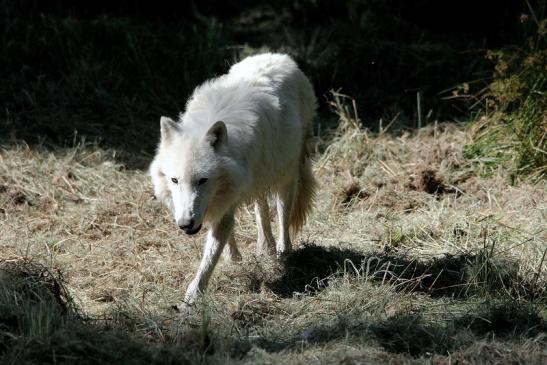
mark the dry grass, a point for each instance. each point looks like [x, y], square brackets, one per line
[408, 251]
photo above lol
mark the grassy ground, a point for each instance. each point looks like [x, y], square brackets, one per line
[408, 257]
[412, 255]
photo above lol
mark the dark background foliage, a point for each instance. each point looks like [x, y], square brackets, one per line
[107, 70]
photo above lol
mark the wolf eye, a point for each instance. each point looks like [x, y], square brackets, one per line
[175, 180]
[202, 181]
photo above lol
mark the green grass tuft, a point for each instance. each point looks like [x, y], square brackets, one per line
[511, 131]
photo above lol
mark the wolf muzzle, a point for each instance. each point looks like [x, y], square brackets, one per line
[190, 231]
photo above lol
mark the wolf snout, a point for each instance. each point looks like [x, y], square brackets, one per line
[188, 227]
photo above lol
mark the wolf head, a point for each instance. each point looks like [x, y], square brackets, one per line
[187, 172]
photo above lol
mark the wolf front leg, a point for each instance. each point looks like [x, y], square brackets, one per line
[217, 237]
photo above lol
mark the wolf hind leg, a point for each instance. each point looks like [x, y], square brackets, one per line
[265, 243]
[231, 252]
[285, 203]
[217, 237]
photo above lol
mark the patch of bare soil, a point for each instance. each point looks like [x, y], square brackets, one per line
[14, 196]
[430, 182]
[351, 193]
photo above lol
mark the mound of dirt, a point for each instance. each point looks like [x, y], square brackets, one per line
[430, 182]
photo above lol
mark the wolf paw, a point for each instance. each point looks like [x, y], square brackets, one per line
[283, 249]
[264, 248]
[184, 308]
[270, 251]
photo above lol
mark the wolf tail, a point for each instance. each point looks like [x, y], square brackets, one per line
[305, 194]
[305, 190]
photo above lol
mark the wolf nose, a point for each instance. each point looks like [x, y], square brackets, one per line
[186, 226]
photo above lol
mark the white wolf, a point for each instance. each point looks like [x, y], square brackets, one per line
[242, 137]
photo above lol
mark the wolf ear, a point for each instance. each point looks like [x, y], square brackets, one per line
[168, 128]
[217, 134]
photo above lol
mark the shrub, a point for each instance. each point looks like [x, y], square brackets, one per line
[511, 129]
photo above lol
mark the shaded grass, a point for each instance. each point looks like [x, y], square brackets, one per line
[483, 273]
[40, 323]
[418, 332]
[411, 333]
